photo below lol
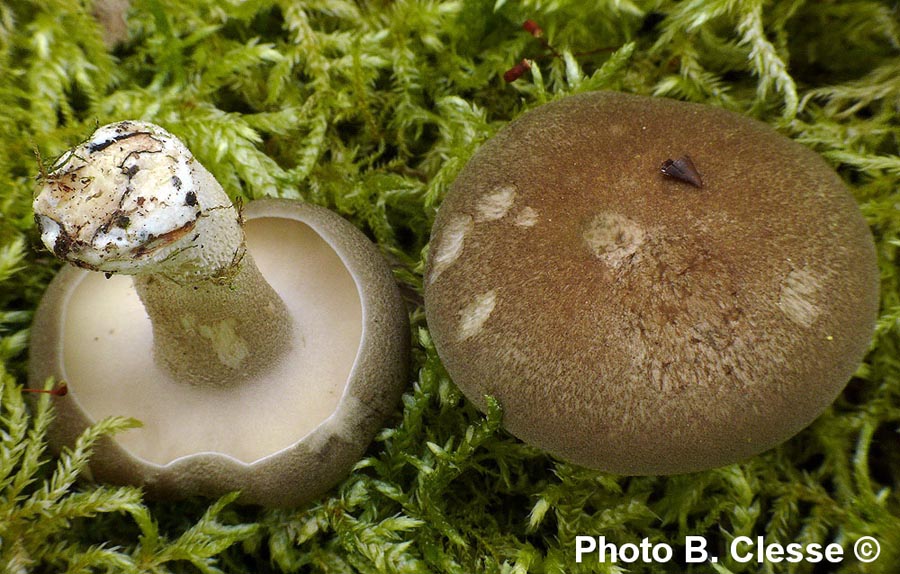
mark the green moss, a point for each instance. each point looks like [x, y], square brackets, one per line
[371, 108]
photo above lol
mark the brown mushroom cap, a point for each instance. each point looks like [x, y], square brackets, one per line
[282, 441]
[635, 323]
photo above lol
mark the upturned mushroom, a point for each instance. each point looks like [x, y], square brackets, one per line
[649, 286]
[261, 348]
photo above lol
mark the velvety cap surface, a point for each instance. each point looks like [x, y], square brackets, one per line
[633, 322]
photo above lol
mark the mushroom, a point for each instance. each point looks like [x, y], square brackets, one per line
[635, 317]
[263, 365]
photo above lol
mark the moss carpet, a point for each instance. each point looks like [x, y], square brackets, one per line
[371, 108]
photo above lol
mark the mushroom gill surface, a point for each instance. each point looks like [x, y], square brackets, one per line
[109, 369]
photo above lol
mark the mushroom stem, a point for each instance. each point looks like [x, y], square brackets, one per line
[133, 200]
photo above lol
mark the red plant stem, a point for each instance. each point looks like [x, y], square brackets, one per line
[533, 28]
[514, 73]
[60, 391]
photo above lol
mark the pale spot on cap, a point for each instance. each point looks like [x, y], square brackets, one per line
[798, 297]
[527, 217]
[450, 245]
[613, 237]
[473, 317]
[496, 204]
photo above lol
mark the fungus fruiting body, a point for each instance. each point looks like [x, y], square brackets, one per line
[260, 349]
[648, 323]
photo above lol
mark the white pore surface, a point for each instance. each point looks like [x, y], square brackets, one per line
[109, 367]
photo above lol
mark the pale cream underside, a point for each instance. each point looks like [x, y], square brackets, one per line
[109, 366]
